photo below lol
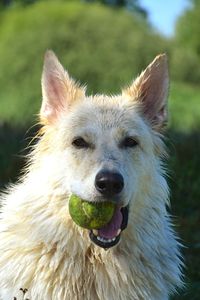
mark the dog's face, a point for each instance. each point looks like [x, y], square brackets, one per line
[105, 147]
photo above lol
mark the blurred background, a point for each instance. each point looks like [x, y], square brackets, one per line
[106, 44]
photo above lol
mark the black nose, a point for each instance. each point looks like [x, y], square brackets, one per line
[109, 183]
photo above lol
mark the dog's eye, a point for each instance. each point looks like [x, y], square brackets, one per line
[129, 142]
[79, 143]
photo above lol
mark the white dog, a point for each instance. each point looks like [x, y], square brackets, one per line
[99, 148]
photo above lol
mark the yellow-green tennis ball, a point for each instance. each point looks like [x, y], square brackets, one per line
[90, 215]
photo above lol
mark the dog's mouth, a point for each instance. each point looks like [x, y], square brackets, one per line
[109, 235]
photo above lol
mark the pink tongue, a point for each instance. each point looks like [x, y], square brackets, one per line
[110, 230]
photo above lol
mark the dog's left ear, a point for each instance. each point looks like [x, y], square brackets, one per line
[150, 89]
[59, 91]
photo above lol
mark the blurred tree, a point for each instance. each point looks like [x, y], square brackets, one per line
[186, 55]
[103, 47]
[132, 5]
[188, 28]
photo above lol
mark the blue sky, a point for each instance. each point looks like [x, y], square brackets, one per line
[163, 13]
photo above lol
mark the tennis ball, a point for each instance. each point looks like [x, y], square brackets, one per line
[90, 215]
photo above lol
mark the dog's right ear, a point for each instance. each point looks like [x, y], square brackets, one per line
[58, 90]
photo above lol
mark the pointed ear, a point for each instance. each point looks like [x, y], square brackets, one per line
[150, 89]
[58, 89]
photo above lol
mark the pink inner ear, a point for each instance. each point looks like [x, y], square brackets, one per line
[56, 93]
[151, 88]
[58, 89]
[153, 99]
[53, 88]
[54, 96]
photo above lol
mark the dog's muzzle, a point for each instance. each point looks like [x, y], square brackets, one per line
[109, 235]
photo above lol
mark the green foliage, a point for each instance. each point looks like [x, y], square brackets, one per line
[99, 46]
[184, 107]
[186, 57]
[188, 29]
[185, 65]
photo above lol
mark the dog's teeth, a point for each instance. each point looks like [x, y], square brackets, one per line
[100, 239]
[119, 231]
[95, 232]
[103, 240]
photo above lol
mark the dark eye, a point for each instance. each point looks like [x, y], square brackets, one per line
[129, 142]
[79, 143]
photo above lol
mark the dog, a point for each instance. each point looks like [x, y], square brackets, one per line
[100, 148]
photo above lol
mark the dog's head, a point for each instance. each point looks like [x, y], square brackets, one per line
[105, 148]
